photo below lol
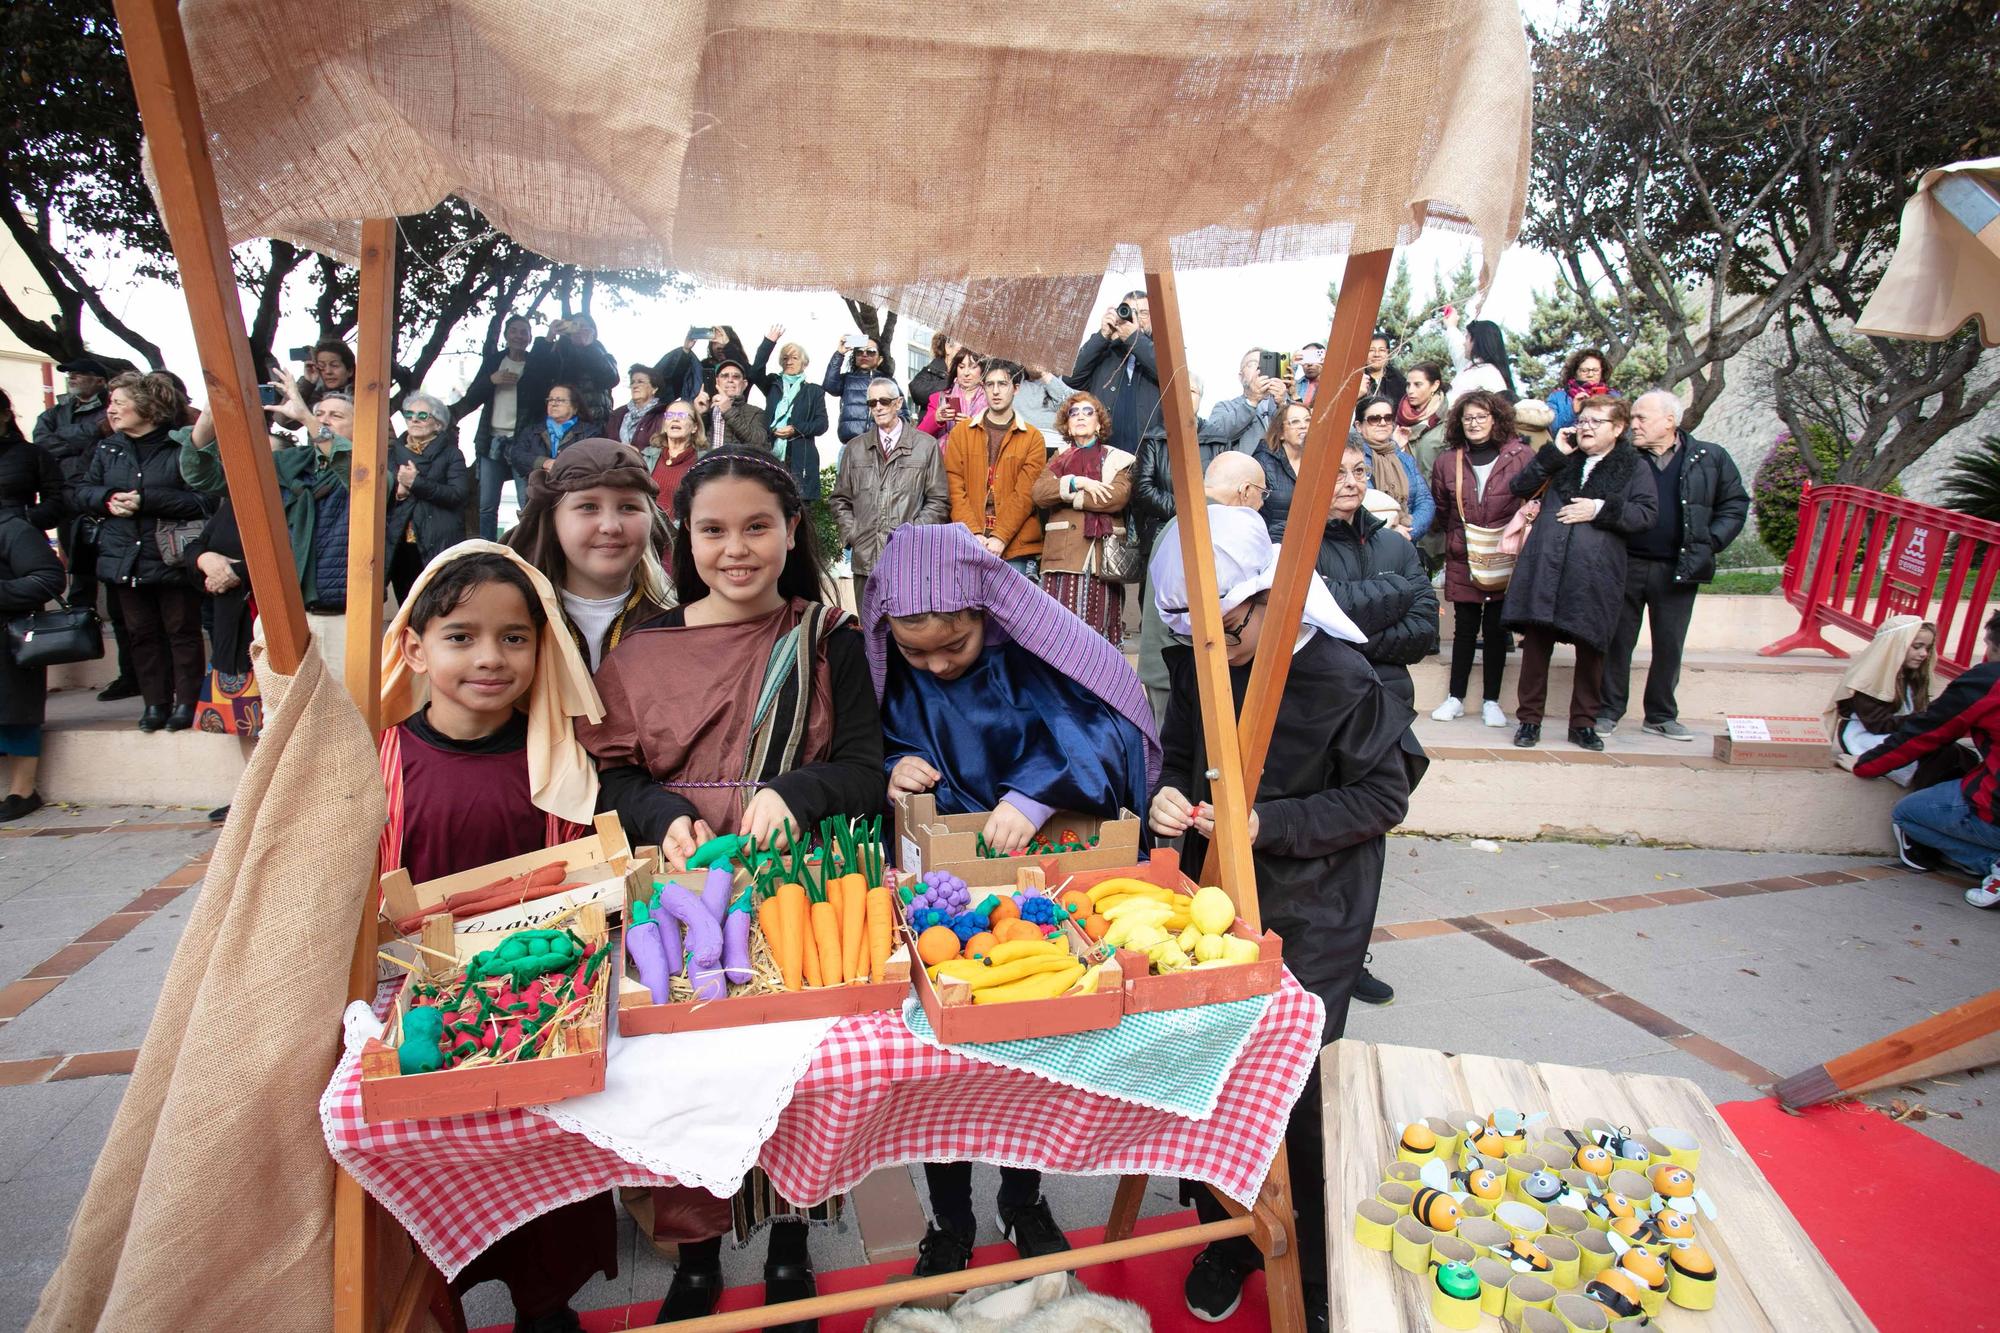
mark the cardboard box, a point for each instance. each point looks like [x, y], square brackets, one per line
[927, 840]
[1146, 993]
[638, 1015]
[389, 1094]
[601, 861]
[1774, 742]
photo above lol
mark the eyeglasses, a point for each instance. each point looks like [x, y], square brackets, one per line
[1233, 634]
[1257, 486]
[1592, 423]
[680, 416]
[1378, 418]
[1476, 419]
[1083, 410]
[866, 351]
[420, 416]
[883, 402]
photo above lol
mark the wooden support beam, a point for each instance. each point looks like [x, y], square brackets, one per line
[368, 482]
[1917, 1051]
[1229, 851]
[1361, 286]
[156, 56]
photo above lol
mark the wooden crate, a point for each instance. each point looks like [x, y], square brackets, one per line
[638, 1015]
[928, 841]
[955, 1018]
[1769, 1275]
[602, 859]
[1145, 993]
[388, 1094]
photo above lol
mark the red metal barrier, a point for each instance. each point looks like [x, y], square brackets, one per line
[1862, 556]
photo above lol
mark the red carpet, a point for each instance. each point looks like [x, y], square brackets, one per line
[1153, 1282]
[1881, 1216]
[1878, 1220]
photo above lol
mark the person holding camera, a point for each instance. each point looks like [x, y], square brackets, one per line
[329, 368]
[495, 394]
[1377, 375]
[848, 374]
[570, 354]
[1118, 366]
[794, 410]
[1306, 365]
[1569, 583]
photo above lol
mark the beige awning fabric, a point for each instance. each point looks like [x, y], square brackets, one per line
[976, 172]
[1946, 268]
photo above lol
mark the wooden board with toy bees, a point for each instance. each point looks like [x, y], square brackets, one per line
[1619, 1202]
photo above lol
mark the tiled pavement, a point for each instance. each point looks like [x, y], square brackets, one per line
[1724, 967]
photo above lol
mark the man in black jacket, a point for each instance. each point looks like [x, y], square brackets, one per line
[1118, 365]
[1702, 509]
[570, 354]
[495, 394]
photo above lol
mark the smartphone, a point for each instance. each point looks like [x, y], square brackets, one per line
[268, 395]
[1274, 366]
[302, 354]
[698, 333]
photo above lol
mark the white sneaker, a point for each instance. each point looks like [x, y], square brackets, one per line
[1490, 714]
[1448, 711]
[1987, 894]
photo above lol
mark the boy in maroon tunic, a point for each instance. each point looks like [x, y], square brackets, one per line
[470, 777]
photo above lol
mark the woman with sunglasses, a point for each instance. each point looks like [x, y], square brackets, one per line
[1391, 470]
[427, 511]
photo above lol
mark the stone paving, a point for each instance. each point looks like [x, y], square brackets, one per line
[1721, 967]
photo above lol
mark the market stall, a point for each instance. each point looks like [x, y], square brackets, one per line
[267, 120]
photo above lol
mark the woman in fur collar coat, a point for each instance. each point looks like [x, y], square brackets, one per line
[1570, 583]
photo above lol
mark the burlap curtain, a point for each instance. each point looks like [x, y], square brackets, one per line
[976, 170]
[211, 1205]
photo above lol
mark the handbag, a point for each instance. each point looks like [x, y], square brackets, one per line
[1118, 557]
[1491, 567]
[173, 536]
[1515, 535]
[53, 638]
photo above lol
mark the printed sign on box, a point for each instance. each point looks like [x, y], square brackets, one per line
[1774, 742]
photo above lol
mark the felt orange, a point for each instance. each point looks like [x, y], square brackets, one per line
[1095, 926]
[980, 944]
[1005, 909]
[937, 945]
[1077, 901]
[1015, 929]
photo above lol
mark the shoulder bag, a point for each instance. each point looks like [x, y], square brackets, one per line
[53, 638]
[1491, 567]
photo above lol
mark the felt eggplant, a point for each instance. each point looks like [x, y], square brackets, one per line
[715, 892]
[736, 945]
[649, 952]
[702, 943]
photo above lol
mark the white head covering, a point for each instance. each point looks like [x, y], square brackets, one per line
[1877, 670]
[1246, 563]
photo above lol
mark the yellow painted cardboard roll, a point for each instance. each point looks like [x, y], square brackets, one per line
[1526, 1291]
[1566, 1255]
[1682, 1150]
[1565, 1221]
[1397, 1195]
[1519, 1167]
[1493, 1278]
[1581, 1316]
[1410, 1245]
[1520, 1220]
[1453, 1311]
[1691, 1278]
[1452, 1250]
[1595, 1254]
[1373, 1221]
[1482, 1233]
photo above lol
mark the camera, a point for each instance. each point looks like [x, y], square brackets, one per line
[1125, 314]
[268, 395]
[1274, 365]
[302, 354]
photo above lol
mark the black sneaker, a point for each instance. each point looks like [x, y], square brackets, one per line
[1033, 1230]
[790, 1282]
[1371, 989]
[122, 688]
[1913, 854]
[19, 807]
[942, 1250]
[1214, 1286]
[694, 1294]
[1528, 735]
[1583, 738]
[219, 814]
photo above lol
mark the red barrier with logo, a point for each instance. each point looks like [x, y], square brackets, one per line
[1862, 556]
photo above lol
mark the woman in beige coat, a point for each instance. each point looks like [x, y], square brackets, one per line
[1084, 491]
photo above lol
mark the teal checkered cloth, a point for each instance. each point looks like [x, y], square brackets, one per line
[1174, 1061]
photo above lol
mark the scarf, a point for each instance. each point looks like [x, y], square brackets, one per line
[781, 414]
[561, 778]
[944, 568]
[635, 416]
[557, 431]
[1087, 463]
[1407, 416]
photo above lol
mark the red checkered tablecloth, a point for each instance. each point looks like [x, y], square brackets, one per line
[874, 1096]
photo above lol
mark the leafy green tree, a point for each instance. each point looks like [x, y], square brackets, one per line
[1973, 484]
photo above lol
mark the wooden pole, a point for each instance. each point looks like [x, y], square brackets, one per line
[355, 1220]
[1361, 288]
[1229, 851]
[1972, 1025]
[368, 482]
[156, 56]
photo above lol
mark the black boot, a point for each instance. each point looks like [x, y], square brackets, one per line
[790, 1282]
[181, 718]
[122, 688]
[153, 717]
[694, 1294]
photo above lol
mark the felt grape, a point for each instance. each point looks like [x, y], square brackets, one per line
[966, 925]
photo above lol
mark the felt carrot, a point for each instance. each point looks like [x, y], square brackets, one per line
[770, 921]
[826, 937]
[793, 956]
[879, 931]
[853, 938]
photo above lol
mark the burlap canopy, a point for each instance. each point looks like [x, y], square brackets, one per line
[976, 170]
[1946, 268]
